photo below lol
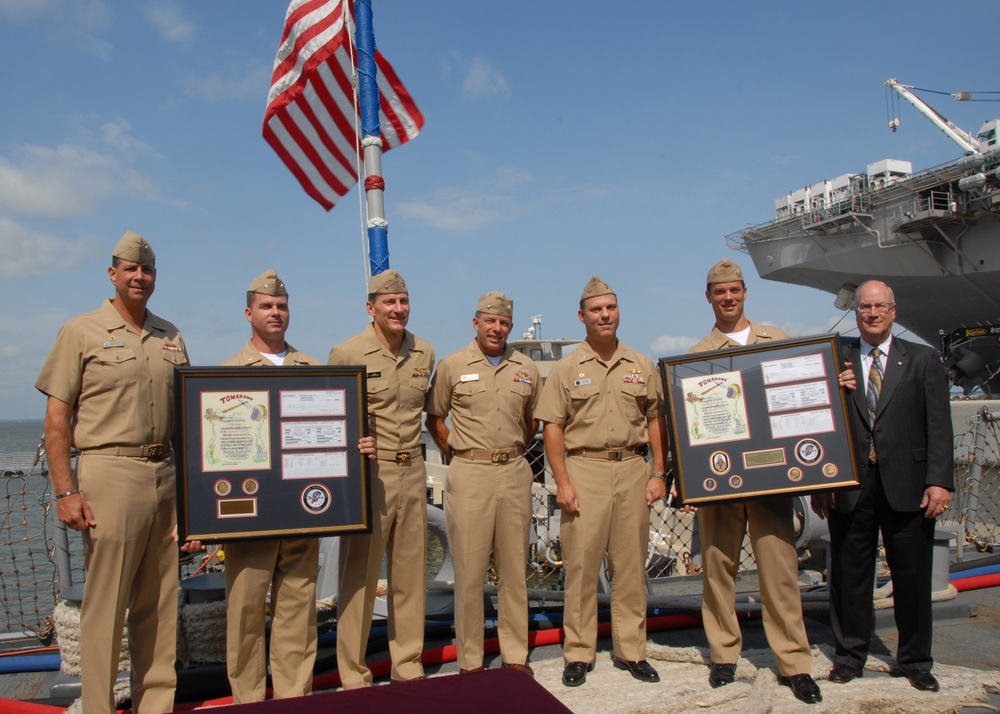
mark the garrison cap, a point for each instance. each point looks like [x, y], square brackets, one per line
[388, 282]
[725, 271]
[268, 283]
[135, 248]
[495, 303]
[596, 287]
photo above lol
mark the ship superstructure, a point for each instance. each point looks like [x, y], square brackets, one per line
[933, 236]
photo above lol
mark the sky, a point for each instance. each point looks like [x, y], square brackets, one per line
[562, 140]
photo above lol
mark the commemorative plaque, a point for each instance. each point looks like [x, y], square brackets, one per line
[270, 452]
[764, 419]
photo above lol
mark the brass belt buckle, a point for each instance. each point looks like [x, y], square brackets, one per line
[402, 457]
[155, 452]
[500, 456]
[615, 455]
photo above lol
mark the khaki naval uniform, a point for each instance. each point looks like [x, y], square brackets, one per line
[288, 566]
[604, 408]
[768, 521]
[396, 391]
[121, 384]
[488, 497]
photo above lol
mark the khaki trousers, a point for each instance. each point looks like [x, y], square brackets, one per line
[613, 518]
[772, 537]
[287, 567]
[131, 563]
[399, 529]
[488, 507]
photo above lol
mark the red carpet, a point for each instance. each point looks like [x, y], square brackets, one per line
[494, 691]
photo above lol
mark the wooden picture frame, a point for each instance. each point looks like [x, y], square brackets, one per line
[759, 420]
[268, 452]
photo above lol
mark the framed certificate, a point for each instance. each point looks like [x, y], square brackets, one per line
[763, 419]
[270, 452]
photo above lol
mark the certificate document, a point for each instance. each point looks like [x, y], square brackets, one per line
[312, 402]
[715, 407]
[234, 428]
[313, 434]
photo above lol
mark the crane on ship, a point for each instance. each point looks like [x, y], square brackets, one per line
[971, 146]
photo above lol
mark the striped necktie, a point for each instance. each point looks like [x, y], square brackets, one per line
[871, 395]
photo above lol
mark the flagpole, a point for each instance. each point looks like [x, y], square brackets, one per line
[378, 227]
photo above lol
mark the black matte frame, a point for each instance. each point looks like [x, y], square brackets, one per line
[279, 504]
[698, 483]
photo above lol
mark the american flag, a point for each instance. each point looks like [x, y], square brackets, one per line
[310, 115]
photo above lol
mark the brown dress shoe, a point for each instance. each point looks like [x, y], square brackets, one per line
[520, 668]
[470, 671]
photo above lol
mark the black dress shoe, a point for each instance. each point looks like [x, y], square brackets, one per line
[721, 674]
[922, 679]
[575, 673]
[641, 670]
[844, 673]
[803, 687]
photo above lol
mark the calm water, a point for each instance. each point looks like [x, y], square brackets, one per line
[18, 436]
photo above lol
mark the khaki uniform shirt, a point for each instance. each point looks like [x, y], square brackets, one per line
[396, 386]
[602, 406]
[250, 356]
[121, 383]
[717, 340]
[490, 406]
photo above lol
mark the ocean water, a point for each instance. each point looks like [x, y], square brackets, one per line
[20, 436]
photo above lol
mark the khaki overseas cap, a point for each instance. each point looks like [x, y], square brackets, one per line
[133, 247]
[388, 282]
[495, 303]
[596, 287]
[268, 283]
[725, 271]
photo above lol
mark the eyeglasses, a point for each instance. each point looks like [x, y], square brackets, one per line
[879, 308]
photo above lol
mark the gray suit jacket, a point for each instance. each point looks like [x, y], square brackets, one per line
[912, 430]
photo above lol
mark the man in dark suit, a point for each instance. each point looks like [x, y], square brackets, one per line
[901, 424]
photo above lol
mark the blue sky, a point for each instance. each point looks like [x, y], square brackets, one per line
[562, 139]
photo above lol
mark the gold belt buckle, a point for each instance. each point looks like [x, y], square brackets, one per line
[500, 456]
[615, 454]
[155, 452]
[402, 457]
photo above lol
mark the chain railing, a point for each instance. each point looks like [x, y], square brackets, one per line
[29, 583]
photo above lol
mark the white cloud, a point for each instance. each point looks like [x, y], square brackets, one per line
[78, 23]
[462, 213]
[484, 80]
[25, 253]
[169, 21]
[249, 81]
[672, 345]
[66, 180]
